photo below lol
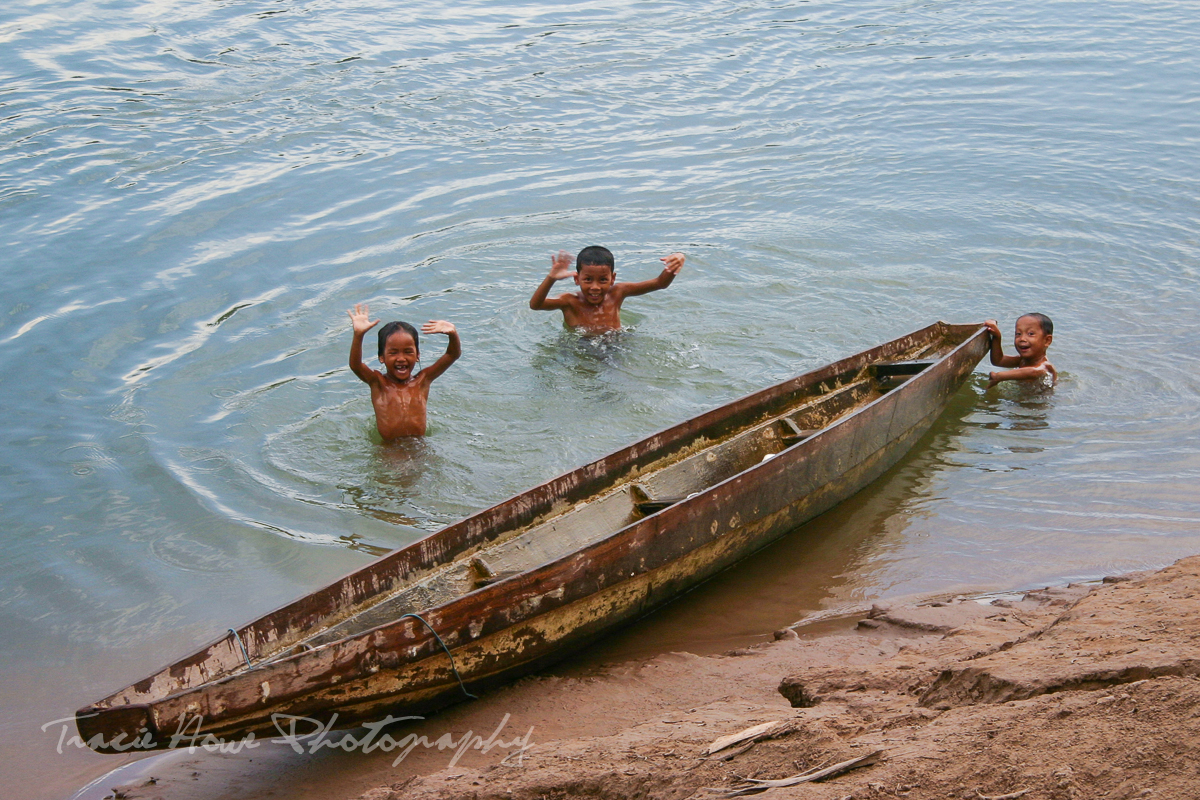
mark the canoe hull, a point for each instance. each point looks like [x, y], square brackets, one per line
[516, 625]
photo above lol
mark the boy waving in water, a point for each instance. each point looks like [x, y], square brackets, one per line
[398, 395]
[1032, 338]
[596, 307]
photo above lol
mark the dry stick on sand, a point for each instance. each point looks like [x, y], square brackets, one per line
[1010, 796]
[757, 785]
[767, 730]
[730, 755]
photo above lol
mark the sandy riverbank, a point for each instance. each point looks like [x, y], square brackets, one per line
[1078, 692]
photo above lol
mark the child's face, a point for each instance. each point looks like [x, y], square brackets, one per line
[594, 281]
[1030, 340]
[400, 355]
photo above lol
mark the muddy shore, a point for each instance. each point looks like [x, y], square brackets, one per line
[1085, 691]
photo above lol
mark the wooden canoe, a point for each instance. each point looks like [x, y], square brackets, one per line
[526, 581]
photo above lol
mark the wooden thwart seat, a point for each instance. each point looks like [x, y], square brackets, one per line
[646, 504]
[793, 433]
[484, 573]
[888, 369]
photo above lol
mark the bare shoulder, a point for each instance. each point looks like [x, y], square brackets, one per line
[621, 289]
[368, 375]
[421, 383]
[569, 302]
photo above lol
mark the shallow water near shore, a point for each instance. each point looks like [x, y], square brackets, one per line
[194, 195]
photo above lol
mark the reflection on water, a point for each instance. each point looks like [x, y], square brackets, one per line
[395, 481]
[606, 371]
[398, 464]
[356, 543]
[581, 365]
[1012, 408]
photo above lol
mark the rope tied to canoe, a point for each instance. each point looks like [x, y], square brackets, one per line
[245, 655]
[461, 685]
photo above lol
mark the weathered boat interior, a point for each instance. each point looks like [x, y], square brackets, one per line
[663, 484]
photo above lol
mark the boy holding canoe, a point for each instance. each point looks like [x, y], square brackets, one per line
[1032, 338]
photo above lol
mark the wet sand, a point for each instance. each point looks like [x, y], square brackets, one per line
[1085, 691]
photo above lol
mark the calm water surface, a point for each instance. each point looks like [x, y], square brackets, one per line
[192, 195]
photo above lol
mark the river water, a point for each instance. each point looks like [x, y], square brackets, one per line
[192, 194]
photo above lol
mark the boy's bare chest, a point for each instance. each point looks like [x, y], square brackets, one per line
[400, 408]
[606, 313]
[401, 395]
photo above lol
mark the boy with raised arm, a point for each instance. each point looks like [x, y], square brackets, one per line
[398, 395]
[1033, 335]
[596, 307]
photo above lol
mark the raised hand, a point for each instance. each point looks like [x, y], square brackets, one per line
[560, 266]
[438, 326]
[673, 263]
[360, 318]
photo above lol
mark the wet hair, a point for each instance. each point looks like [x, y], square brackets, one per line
[393, 327]
[1046, 323]
[595, 256]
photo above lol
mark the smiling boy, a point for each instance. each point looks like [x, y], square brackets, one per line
[596, 307]
[1032, 338]
[399, 396]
